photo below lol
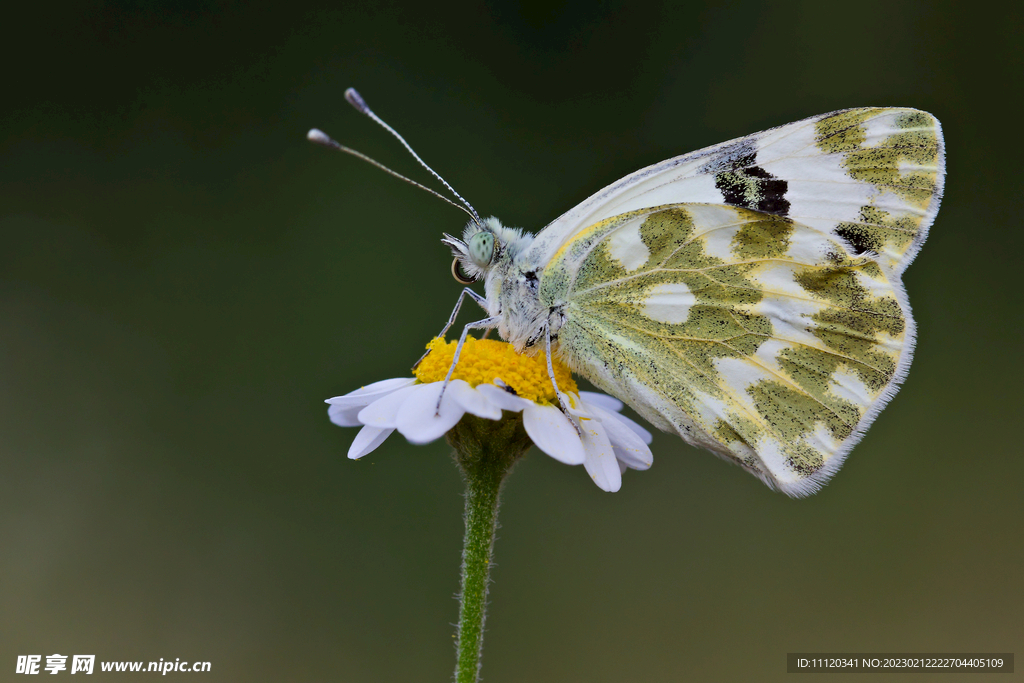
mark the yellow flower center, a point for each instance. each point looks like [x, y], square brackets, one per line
[483, 360]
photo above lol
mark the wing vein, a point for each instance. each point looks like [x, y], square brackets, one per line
[701, 271]
[750, 359]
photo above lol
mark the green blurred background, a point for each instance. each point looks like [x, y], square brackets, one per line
[184, 279]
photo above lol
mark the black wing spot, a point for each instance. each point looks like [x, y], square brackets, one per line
[772, 190]
[861, 238]
[745, 184]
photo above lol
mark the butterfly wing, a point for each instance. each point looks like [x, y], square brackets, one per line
[746, 333]
[748, 296]
[871, 178]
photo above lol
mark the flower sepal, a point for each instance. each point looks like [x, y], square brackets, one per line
[486, 447]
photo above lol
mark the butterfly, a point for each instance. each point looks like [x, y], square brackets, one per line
[746, 297]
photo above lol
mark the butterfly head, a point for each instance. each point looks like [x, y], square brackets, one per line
[484, 246]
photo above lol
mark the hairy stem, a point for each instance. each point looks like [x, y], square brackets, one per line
[485, 451]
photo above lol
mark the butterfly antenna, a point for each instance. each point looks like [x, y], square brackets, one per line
[357, 101]
[321, 138]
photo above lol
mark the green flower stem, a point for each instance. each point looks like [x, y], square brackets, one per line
[485, 451]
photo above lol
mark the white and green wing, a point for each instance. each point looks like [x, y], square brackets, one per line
[870, 177]
[748, 334]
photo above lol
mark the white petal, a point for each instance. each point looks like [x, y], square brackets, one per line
[367, 440]
[472, 401]
[629, 447]
[364, 396]
[637, 429]
[420, 421]
[602, 400]
[629, 459]
[577, 408]
[503, 399]
[622, 467]
[601, 463]
[345, 417]
[552, 432]
[384, 411]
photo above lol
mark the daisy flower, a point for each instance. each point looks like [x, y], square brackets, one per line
[491, 378]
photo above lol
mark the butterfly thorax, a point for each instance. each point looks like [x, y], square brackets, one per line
[524, 317]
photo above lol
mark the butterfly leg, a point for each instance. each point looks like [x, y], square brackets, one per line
[554, 383]
[466, 291]
[485, 324]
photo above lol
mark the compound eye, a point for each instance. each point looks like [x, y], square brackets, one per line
[481, 248]
[459, 276]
